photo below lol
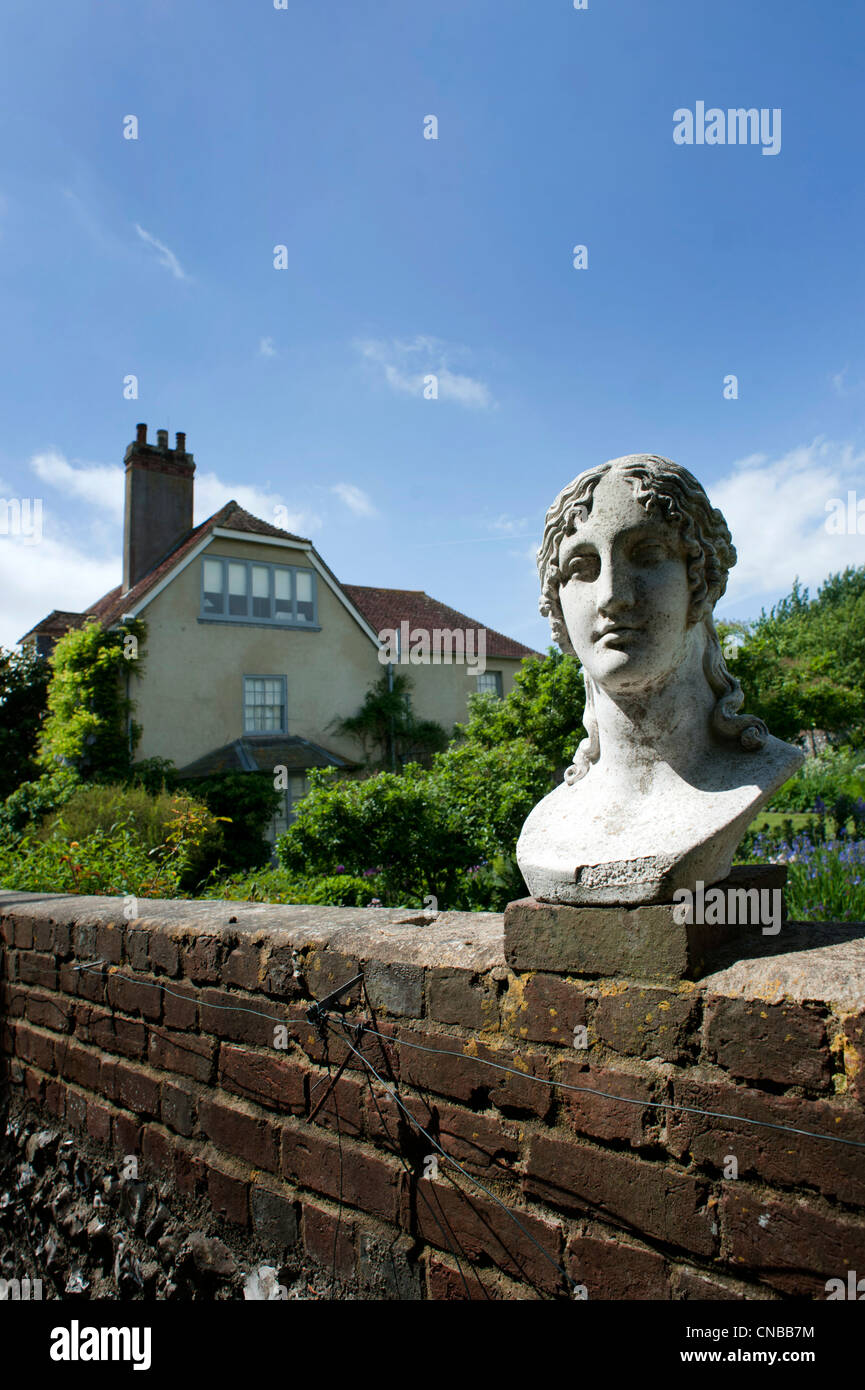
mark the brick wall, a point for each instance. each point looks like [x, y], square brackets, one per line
[189, 1046]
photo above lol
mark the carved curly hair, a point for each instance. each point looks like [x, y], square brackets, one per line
[666, 489]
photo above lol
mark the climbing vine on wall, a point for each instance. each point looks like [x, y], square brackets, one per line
[89, 726]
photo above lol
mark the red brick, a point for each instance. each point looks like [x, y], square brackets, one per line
[189, 1170]
[238, 1131]
[80, 1064]
[650, 1198]
[613, 1268]
[785, 1043]
[54, 1012]
[109, 943]
[135, 1089]
[14, 1001]
[54, 1094]
[644, 1021]
[180, 1005]
[183, 1053]
[266, 1077]
[23, 931]
[329, 1238]
[76, 1110]
[311, 1159]
[164, 954]
[242, 1018]
[854, 1055]
[229, 1195]
[478, 1229]
[602, 1118]
[203, 959]
[696, 1284]
[130, 1037]
[242, 967]
[35, 969]
[35, 1046]
[142, 997]
[449, 1282]
[99, 1121]
[460, 997]
[178, 1108]
[91, 984]
[127, 1133]
[544, 1008]
[791, 1244]
[463, 1074]
[157, 1150]
[342, 1102]
[776, 1157]
[483, 1143]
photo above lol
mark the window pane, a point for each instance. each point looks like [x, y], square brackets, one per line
[305, 596]
[282, 591]
[260, 591]
[491, 682]
[214, 580]
[263, 705]
[237, 589]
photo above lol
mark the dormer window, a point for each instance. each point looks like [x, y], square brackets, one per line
[246, 591]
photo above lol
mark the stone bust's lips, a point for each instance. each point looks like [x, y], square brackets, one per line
[614, 629]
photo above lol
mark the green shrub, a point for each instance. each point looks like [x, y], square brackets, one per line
[834, 773]
[248, 800]
[33, 800]
[280, 886]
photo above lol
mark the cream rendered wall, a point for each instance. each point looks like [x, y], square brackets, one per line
[189, 695]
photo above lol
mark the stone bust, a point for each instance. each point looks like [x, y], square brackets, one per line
[633, 560]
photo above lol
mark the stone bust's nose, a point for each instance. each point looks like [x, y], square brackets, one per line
[615, 590]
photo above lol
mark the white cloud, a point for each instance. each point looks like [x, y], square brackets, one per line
[777, 513]
[405, 365]
[35, 579]
[354, 498]
[166, 256]
[266, 348]
[509, 526]
[99, 484]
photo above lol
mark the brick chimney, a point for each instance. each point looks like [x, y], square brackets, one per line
[158, 502]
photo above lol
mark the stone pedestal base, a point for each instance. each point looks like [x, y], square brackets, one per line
[646, 942]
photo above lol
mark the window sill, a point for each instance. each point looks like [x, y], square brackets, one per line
[258, 622]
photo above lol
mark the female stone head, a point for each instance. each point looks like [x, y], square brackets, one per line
[633, 560]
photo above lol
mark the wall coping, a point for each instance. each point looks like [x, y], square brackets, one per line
[822, 963]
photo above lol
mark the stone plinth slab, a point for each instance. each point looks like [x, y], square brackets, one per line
[644, 943]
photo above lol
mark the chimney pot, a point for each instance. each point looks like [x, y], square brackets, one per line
[162, 439]
[180, 446]
[141, 434]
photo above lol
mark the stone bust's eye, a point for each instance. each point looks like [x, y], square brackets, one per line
[649, 553]
[585, 566]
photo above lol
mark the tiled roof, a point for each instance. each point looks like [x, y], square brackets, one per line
[263, 754]
[387, 608]
[381, 608]
[59, 620]
[115, 603]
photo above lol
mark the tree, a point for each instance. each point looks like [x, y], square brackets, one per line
[802, 664]
[545, 707]
[386, 725]
[23, 692]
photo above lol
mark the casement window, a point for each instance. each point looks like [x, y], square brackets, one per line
[490, 683]
[264, 705]
[245, 591]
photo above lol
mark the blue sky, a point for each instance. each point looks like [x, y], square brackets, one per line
[409, 256]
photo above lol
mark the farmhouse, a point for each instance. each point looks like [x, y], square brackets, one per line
[254, 647]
